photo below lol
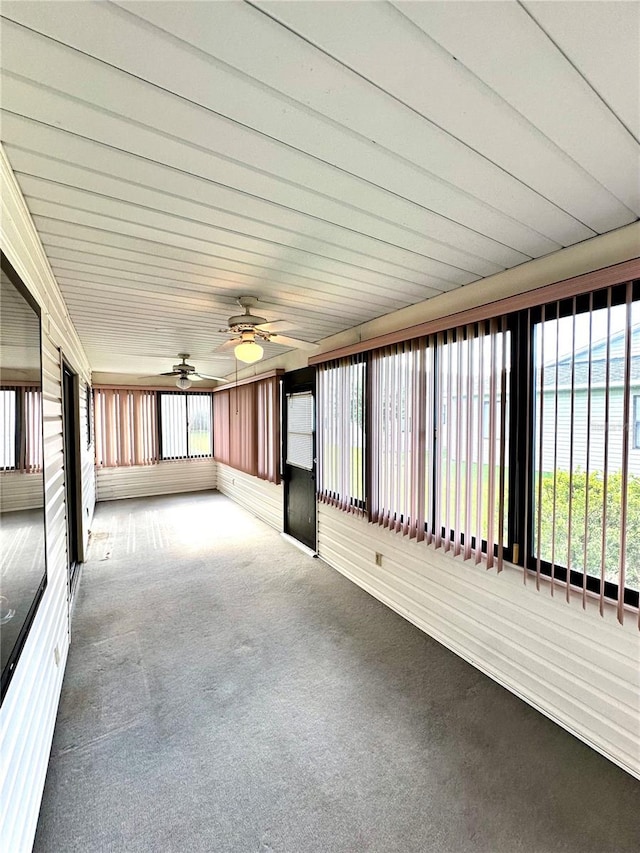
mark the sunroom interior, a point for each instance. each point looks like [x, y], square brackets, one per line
[427, 214]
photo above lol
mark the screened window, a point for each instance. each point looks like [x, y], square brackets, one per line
[21, 418]
[185, 421]
[9, 425]
[125, 426]
[401, 417]
[472, 445]
[514, 437]
[586, 483]
[341, 432]
[247, 427]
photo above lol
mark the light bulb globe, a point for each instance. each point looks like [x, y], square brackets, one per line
[183, 382]
[249, 352]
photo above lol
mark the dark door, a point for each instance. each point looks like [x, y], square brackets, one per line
[70, 444]
[299, 455]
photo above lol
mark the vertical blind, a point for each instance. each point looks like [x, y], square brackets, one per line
[586, 471]
[247, 428]
[21, 416]
[126, 427]
[341, 433]
[268, 423]
[438, 434]
[399, 415]
[31, 457]
[472, 440]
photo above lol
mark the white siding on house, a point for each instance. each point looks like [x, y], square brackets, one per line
[165, 478]
[579, 669]
[260, 497]
[28, 712]
[562, 426]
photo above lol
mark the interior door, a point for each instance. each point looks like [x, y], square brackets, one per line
[299, 455]
[70, 444]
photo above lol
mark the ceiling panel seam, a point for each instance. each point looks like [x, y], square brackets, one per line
[393, 155]
[249, 219]
[435, 123]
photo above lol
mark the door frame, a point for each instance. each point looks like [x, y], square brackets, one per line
[294, 382]
[73, 515]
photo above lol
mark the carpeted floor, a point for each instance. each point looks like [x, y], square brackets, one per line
[225, 692]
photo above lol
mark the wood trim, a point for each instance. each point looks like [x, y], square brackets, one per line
[616, 274]
[170, 389]
[268, 375]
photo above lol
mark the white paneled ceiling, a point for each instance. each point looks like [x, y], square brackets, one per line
[337, 160]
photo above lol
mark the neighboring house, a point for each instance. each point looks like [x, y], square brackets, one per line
[589, 432]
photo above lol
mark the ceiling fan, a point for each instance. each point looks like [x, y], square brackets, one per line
[186, 373]
[247, 329]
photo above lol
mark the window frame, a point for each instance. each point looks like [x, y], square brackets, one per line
[559, 309]
[17, 426]
[519, 316]
[186, 395]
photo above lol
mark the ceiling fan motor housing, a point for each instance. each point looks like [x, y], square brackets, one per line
[245, 322]
[183, 367]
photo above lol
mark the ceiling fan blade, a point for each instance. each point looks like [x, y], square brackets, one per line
[284, 341]
[170, 373]
[276, 326]
[204, 376]
[227, 345]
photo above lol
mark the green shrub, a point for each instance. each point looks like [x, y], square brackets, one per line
[554, 514]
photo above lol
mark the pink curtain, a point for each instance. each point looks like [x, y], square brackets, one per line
[126, 427]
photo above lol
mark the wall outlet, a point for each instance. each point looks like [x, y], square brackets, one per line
[56, 655]
[378, 558]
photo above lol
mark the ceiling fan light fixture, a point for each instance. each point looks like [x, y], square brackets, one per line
[183, 382]
[248, 351]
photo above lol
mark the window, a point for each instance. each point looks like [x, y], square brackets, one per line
[586, 484]
[505, 438]
[9, 425]
[300, 420]
[21, 418]
[341, 433]
[125, 426]
[89, 403]
[400, 408]
[185, 421]
[247, 427]
[472, 445]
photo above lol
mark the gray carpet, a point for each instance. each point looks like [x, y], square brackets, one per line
[225, 692]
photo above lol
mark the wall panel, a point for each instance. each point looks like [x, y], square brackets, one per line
[165, 478]
[260, 497]
[20, 491]
[28, 713]
[579, 669]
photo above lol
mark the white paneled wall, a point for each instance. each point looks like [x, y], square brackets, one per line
[20, 491]
[258, 496]
[165, 478]
[28, 712]
[579, 669]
